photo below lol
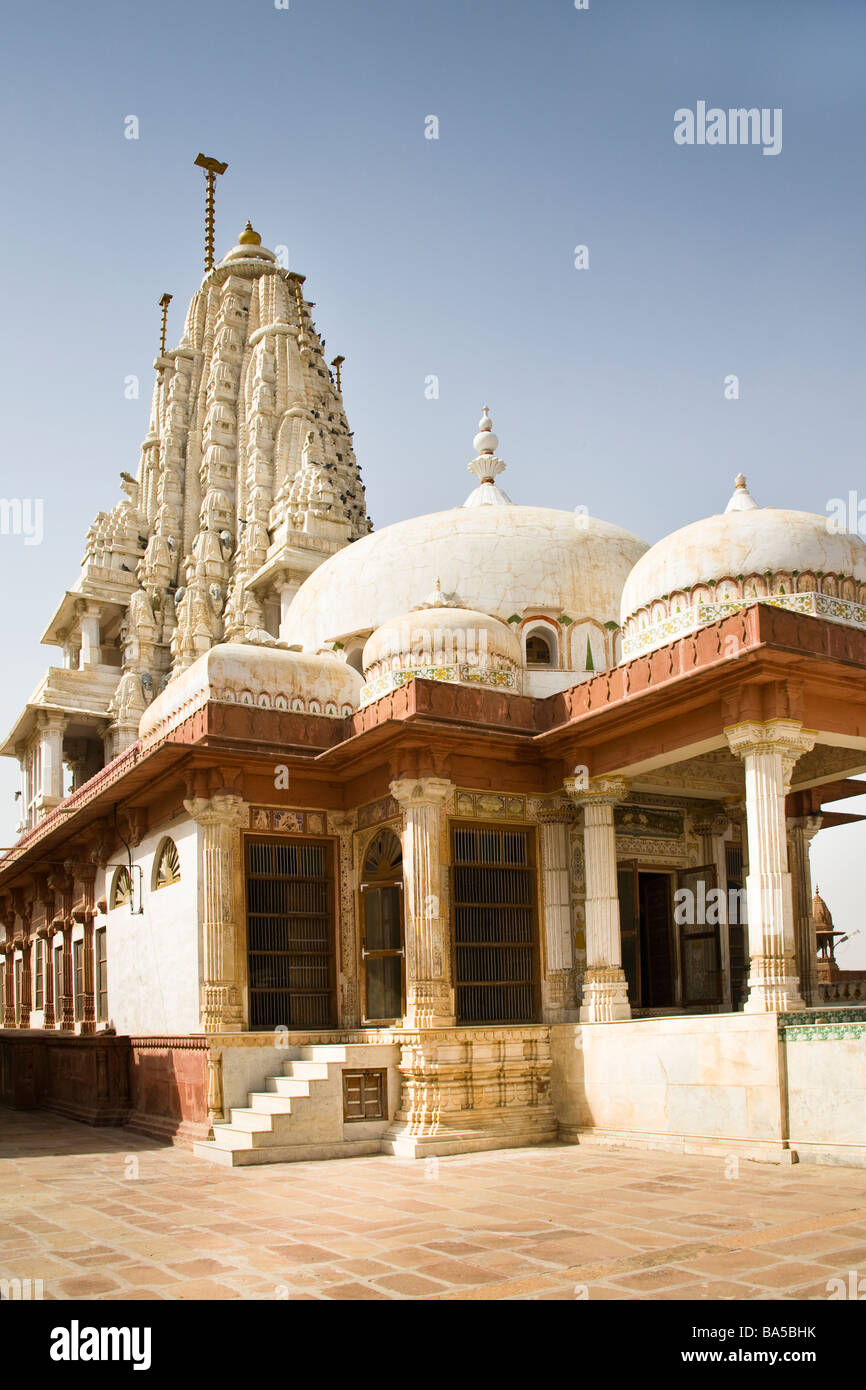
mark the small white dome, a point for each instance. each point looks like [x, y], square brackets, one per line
[747, 554]
[452, 644]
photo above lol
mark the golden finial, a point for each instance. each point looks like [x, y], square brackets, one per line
[337, 364]
[212, 167]
[163, 304]
[248, 237]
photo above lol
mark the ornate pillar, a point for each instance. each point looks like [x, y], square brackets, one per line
[52, 728]
[219, 817]
[711, 825]
[24, 908]
[342, 824]
[430, 996]
[61, 884]
[91, 653]
[605, 989]
[802, 831]
[558, 985]
[769, 751]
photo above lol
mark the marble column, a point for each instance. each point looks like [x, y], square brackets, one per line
[52, 728]
[711, 826]
[429, 994]
[219, 819]
[91, 654]
[769, 751]
[560, 1002]
[605, 989]
[801, 832]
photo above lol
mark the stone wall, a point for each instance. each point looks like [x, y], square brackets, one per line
[776, 1087]
[825, 1067]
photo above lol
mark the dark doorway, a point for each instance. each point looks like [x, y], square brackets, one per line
[656, 941]
[646, 927]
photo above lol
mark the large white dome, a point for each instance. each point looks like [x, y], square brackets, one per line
[501, 560]
[747, 554]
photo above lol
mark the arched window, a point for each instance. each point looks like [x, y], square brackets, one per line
[537, 650]
[354, 659]
[166, 865]
[382, 918]
[121, 888]
[541, 647]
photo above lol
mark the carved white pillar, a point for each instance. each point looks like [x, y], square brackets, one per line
[90, 638]
[605, 989]
[430, 997]
[560, 1002]
[287, 590]
[769, 751]
[711, 825]
[52, 727]
[219, 818]
[802, 831]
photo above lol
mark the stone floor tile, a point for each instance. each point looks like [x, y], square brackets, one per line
[411, 1284]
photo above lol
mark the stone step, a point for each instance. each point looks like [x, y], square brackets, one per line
[283, 1153]
[323, 1052]
[305, 1071]
[275, 1102]
[287, 1086]
[248, 1121]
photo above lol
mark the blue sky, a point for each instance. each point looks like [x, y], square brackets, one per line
[452, 257]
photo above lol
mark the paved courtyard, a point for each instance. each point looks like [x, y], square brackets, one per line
[104, 1214]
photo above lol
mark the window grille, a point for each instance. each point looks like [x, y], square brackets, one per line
[290, 924]
[494, 895]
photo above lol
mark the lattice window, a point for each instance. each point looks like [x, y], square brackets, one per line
[290, 924]
[121, 888]
[494, 897]
[166, 869]
[382, 928]
[78, 979]
[38, 974]
[100, 948]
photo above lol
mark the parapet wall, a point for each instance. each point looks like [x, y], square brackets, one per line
[776, 1087]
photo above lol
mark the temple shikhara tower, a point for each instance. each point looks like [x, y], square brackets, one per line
[487, 829]
[247, 481]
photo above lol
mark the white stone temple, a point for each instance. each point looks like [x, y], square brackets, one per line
[486, 829]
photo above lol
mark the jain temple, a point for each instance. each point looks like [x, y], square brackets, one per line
[490, 828]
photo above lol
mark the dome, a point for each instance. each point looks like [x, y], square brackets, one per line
[441, 642]
[244, 673]
[747, 554]
[509, 562]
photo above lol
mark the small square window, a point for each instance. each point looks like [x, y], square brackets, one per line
[365, 1095]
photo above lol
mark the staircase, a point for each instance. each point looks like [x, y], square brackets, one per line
[299, 1114]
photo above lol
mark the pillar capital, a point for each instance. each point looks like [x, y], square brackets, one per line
[712, 820]
[807, 826]
[421, 791]
[225, 808]
[786, 737]
[597, 791]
